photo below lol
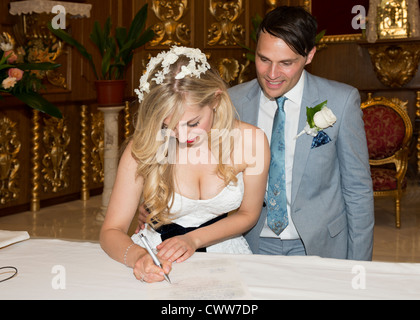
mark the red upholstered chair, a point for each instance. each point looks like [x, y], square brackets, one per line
[388, 131]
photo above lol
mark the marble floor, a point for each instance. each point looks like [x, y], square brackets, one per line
[80, 220]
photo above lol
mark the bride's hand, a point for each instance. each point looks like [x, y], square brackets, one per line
[177, 249]
[146, 271]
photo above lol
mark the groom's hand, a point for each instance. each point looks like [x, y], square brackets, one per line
[142, 218]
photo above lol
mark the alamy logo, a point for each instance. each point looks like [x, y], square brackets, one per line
[359, 280]
[59, 21]
[59, 280]
[359, 21]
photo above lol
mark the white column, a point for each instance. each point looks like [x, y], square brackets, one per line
[111, 151]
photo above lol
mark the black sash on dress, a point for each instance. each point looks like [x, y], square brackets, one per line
[171, 230]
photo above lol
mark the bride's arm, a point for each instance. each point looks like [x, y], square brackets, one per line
[121, 209]
[256, 161]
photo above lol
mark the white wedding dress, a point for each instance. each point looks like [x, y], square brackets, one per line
[193, 213]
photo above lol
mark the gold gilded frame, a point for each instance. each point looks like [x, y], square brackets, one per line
[307, 4]
[334, 38]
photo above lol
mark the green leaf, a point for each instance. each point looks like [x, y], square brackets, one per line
[37, 66]
[107, 28]
[4, 58]
[144, 38]
[256, 21]
[127, 47]
[63, 35]
[310, 112]
[250, 57]
[319, 36]
[138, 23]
[5, 66]
[106, 64]
[121, 36]
[96, 37]
[37, 102]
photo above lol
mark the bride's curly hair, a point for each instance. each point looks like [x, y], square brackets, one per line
[150, 147]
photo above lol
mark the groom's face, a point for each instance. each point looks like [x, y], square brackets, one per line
[278, 67]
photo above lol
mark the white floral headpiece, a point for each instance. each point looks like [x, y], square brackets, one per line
[198, 65]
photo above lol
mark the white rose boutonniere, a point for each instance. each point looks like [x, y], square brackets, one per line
[318, 118]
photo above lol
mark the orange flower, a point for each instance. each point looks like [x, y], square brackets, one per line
[12, 58]
[15, 73]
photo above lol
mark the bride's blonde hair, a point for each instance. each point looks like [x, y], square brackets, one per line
[167, 99]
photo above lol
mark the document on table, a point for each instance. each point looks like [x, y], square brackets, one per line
[214, 279]
[10, 237]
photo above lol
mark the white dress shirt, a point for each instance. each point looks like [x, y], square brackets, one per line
[266, 115]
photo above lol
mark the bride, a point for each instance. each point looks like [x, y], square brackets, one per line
[200, 173]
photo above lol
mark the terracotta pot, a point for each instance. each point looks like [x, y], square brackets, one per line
[110, 92]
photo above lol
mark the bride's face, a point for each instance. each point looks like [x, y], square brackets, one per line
[194, 125]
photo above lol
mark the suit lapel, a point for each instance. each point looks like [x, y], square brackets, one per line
[303, 143]
[250, 105]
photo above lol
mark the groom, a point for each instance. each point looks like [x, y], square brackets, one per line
[328, 188]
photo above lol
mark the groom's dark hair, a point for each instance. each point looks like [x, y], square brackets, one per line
[294, 25]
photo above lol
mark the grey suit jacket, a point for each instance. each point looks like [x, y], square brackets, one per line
[332, 197]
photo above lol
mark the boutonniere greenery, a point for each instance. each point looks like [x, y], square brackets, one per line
[318, 118]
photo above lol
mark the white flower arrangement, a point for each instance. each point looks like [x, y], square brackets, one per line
[197, 66]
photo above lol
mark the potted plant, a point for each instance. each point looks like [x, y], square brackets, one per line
[116, 50]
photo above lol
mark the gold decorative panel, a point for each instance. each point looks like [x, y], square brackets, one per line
[56, 140]
[9, 163]
[38, 45]
[97, 154]
[228, 69]
[226, 31]
[84, 164]
[171, 30]
[392, 19]
[418, 138]
[36, 160]
[395, 65]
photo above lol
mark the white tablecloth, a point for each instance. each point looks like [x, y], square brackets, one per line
[90, 274]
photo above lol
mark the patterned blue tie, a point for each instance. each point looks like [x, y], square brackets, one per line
[276, 195]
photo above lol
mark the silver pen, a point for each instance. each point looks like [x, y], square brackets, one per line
[152, 254]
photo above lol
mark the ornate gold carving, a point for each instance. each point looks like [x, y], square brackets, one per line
[341, 38]
[307, 4]
[395, 65]
[231, 70]
[170, 13]
[84, 165]
[245, 74]
[225, 31]
[36, 159]
[392, 19]
[228, 69]
[272, 4]
[418, 139]
[127, 120]
[41, 46]
[56, 160]
[97, 154]
[9, 163]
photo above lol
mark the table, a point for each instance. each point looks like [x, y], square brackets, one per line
[58, 269]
